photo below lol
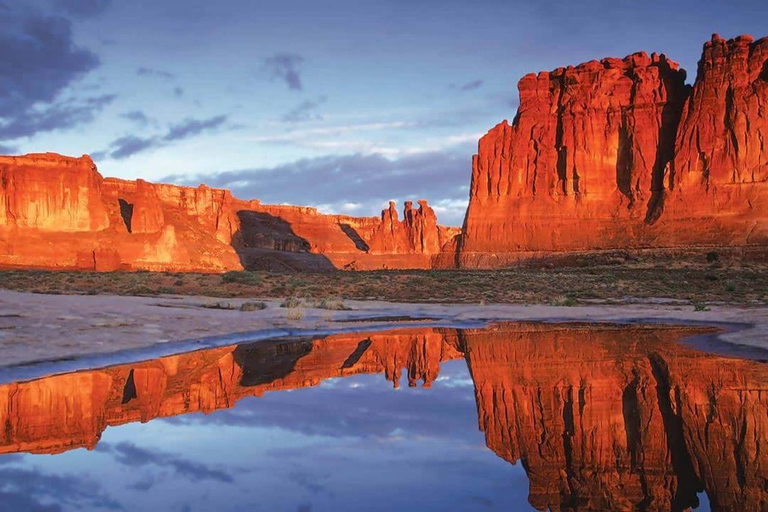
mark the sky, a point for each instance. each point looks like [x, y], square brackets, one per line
[342, 105]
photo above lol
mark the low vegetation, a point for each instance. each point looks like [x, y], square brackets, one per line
[705, 283]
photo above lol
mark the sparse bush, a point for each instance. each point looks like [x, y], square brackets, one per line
[332, 304]
[253, 306]
[730, 286]
[562, 300]
[291, 302]
[241, 277]
[713, 256]
[700, 306]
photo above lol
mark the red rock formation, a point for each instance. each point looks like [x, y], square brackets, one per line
[58, 212]
[591, 160]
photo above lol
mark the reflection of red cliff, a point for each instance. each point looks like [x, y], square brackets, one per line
[58, 212]
[607, 418]
[63, 412]
[621, 154]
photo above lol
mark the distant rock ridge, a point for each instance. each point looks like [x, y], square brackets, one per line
[58, 212]
[621, 154]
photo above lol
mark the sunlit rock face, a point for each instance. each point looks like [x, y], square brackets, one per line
[621, 154]
[601, 417]
[58, 212]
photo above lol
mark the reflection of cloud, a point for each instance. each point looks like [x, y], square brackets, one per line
[155, 72]
[304, 111]
[23, 489]
[357, 412]
[131, 455]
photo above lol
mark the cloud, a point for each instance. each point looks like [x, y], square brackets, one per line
[178, 92]
[191, 127]
[468, 86]
[7, 150]
[133, 456]
[129, 145]
[142, 71]
[285, 67]
[40, 63]
[82, 8]
[137, 116]
[357, 184]
[304, 111]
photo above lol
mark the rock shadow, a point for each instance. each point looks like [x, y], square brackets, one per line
[267, 242]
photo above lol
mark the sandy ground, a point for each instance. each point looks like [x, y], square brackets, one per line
[36, 327]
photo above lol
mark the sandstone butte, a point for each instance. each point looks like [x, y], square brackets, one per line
[601, 418]
[610, 154]
[622, 154]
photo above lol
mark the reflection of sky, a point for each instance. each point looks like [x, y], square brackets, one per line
[349, 444]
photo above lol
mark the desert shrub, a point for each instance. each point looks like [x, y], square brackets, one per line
[241, 277]
[253, 306]
[700, 306]
[332, 304]
[562, 300]
[713, 256]
[291, 302]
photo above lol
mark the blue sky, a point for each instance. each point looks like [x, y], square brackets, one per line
[338, 104]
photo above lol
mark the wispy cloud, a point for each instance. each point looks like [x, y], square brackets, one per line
[142, 71]
[285, 67]
[305, 111]
[127, 146]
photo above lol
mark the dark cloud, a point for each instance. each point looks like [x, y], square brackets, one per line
[7, 150]
[192, 127]
[142, 71]
[130, 145]
[368, 179]
[40, 62]
[305, 111]
[468, 86]
[82, 8]
[178, 92]
[133, 456]
[285, 67]
[137, 116]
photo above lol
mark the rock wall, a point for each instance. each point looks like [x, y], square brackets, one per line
[621, 154]
[58, 212]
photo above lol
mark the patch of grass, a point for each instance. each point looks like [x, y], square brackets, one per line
[700, 306]
[253, 306]
[563, 300]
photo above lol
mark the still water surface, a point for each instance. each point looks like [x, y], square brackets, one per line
[517, 416]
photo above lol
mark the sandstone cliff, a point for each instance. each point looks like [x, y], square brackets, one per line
[622, 154]
[58, 212]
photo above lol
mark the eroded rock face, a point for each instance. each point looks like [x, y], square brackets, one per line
[622, 154]
[58, 212]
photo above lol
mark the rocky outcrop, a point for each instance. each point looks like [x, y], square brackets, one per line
[621, 154]
[58, 212]
[601, 417]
